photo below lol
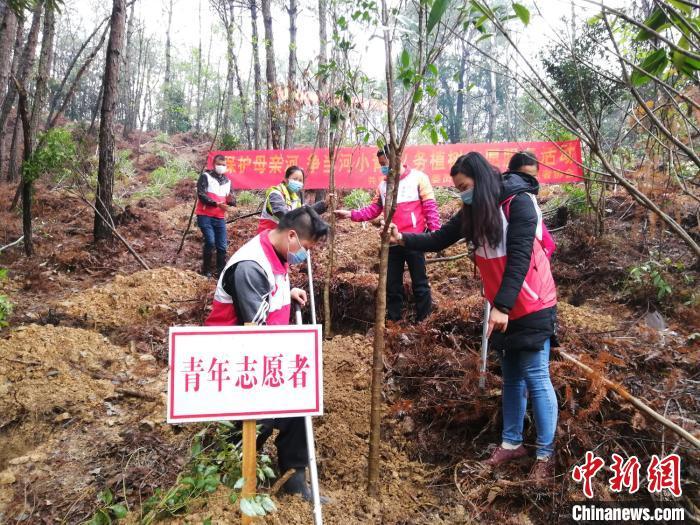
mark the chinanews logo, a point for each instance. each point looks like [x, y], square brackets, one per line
[663, 475]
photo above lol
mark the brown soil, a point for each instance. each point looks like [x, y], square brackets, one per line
[128, 300]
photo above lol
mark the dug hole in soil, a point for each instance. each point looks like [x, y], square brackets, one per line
[83, 378]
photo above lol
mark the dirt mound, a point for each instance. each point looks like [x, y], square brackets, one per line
[130, 300]
[585, 319]
[50, 375]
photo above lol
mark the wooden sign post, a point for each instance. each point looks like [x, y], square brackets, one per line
[249, 464]
[250, 461]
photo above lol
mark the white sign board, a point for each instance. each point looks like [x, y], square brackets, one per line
[244, 372]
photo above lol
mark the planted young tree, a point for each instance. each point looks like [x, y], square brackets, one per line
[425, 36]
[105, 171]
[345, 83]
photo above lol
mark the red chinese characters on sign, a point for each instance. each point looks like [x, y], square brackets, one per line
[248, 376]
[358, 167]
[192, 371]
[272, 371]
[661, 474]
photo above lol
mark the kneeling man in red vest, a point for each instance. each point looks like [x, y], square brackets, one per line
[254, 288]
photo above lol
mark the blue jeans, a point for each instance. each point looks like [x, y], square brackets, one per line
[528, 373]
[214, 231]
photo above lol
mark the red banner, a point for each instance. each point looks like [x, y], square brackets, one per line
[358, 168]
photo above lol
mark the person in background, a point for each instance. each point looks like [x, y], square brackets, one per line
[416, 211]
[214, 197]
[525, 163]
[254, 288]
[501, 218]
[286, 196]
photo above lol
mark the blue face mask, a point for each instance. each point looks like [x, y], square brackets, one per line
[295, 186]
[385, 170]
[297, 257]
[467, 196]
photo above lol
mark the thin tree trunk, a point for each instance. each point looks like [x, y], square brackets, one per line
[127, 91]
[198, 117]
[205, 90]
[96, 110]
[31, 127]
[290, 112]
[271, 77]
[257, 80]
[26, 187]
[14, 147]
[105, 172]
[320, 194]
[165, 120]
[492, 107]
[230, 74]
[16, 55]
[460, 96]
[42, 78]
[8, 30]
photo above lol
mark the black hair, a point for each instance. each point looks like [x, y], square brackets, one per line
[306, 222]
[292, 169]
[219, 157]
[522, 158]
[482, 219]
[383, 151]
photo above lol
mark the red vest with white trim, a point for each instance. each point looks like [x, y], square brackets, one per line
[538, 291]
[408, 217]
[275, 306]
[216, 192]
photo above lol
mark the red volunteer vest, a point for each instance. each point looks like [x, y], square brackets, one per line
[538, 291]
[276, 304]
[218, 193]
[408, 217]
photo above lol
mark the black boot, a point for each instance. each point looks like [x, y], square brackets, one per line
[296, 484]
[220, 261]
[206, 261]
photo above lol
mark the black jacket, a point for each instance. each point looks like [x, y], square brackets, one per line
[528, 332]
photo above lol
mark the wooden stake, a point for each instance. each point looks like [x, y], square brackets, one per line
[638, 403]
[249, 464]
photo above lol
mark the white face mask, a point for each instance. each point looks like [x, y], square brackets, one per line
[220, 169]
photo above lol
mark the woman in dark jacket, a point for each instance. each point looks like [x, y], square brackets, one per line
[501, 218]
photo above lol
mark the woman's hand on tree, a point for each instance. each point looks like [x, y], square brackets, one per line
[299, 296]
[497, 321]
[395, 236]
